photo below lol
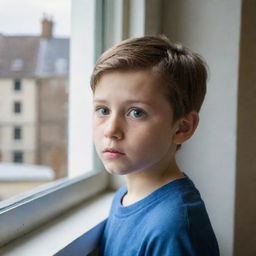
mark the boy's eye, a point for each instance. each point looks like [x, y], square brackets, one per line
[137, 113]
[101, 111]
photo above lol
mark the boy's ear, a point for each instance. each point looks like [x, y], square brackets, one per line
[186, 127]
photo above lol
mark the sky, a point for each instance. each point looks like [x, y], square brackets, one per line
[23, 17]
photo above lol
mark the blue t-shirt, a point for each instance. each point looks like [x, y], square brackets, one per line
[171, 221]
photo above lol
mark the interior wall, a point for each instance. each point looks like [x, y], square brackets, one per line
[245, 222]
[212, 28]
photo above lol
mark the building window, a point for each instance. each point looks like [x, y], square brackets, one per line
[17, 107]
[17, 85]
[17, 157]
[17, 133]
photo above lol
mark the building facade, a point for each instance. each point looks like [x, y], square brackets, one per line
[34, 98]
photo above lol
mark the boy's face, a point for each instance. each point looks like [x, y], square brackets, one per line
[133, 127]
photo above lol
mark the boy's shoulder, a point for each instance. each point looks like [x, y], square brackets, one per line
[182, 218]
[171, 201]
[178, 208]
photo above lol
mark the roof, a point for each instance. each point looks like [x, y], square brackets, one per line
[25, 172]
[17, 49]
[33, 56]
[53, 56]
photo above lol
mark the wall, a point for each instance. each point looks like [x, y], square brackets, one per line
[212, 28]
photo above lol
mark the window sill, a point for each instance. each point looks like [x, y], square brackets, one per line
[60, 232]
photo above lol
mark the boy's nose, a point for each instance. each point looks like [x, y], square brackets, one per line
[113, 129]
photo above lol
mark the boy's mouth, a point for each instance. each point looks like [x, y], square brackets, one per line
[112, 153]
[113, 150]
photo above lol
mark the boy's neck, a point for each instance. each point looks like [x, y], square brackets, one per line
[142, 183]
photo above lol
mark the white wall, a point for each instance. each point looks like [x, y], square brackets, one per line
[212, 28]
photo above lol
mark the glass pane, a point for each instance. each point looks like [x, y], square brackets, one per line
[34, 64]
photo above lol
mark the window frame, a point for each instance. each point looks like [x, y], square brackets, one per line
[25, 212]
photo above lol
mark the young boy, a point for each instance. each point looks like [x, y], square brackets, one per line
[147, 95]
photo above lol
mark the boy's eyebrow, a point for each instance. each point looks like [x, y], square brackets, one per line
[128, 101]
[100, 101]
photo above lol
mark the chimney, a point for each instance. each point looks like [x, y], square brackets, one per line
[47, 27]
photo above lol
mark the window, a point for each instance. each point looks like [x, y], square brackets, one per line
[39, 66]
[17, 157]
[17, 85]
[17, 133]
[48, 201]
[17, 107]
[38, 59]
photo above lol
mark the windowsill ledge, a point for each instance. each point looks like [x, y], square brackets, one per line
[58, 233]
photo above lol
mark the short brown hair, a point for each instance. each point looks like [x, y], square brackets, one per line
[182, 71]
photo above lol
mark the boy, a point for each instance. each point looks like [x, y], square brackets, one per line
[147, 95]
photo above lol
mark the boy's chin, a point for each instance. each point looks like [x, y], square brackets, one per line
[114, 171]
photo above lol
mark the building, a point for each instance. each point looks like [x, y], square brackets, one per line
[33, 99]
